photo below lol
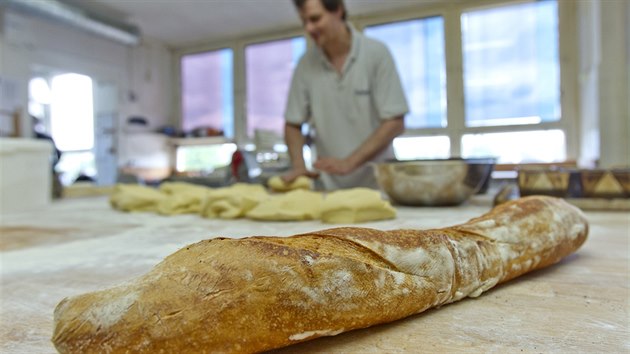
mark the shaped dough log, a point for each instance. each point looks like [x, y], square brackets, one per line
[259, 293]
[177, 188]
[183, 198]
[232, 202]
[134, 197]
[184, 203]
[292, 206]
[350, 206]
[277, 184]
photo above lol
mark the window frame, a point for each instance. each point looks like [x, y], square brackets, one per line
[569, 121]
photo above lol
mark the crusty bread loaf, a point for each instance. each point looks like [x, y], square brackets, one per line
[259, 293]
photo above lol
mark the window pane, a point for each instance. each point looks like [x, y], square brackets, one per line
[269, 70]
[430, 147]
[418, 50]
[71, 112]
[517, 147]
[207, 94]
[511, 67]
[39, 90]
[204, 158]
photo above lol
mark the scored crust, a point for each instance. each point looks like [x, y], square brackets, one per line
[260, 293]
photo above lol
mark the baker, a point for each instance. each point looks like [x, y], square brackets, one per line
[347, 88]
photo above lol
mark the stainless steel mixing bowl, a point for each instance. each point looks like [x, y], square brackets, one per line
[432, 182]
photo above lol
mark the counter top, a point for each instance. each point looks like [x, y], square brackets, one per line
[80, 245]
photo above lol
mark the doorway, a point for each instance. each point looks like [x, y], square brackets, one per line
[80, 115]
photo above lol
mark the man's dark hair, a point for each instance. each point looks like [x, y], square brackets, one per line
[329, 5]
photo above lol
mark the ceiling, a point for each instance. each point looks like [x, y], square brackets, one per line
[182, 23]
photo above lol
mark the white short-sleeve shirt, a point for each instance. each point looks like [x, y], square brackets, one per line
[346, 109]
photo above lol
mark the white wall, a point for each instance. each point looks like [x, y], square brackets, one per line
[590, 58]
[614, 94]
[604, 75]
[28, 43]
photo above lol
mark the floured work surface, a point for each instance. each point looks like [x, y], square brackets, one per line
[579, 304]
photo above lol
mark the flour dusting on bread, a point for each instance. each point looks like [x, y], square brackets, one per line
[259, 293]
[320, 333]
[107, 312]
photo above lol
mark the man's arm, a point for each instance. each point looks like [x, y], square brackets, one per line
[295, 143]
[379, 140]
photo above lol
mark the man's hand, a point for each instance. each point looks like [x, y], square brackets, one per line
[383, 136]
[295, 142]
[290, 176]
[334, 166]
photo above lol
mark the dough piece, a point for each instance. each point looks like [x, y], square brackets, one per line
[181, 204]
[234, 201]
[356, 205]
[292, 206]
[259, 293]
[176, 188]
[277, 184]
[135, 197]
[183, 198]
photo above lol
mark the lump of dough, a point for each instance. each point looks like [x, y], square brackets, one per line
[135, 197]
[176, 188]
[232, 202]
[181, 204]
[292, 206]
[183, 198]
[277, 184]
[355, 205]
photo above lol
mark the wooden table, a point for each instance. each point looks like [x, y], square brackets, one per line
[81, 245]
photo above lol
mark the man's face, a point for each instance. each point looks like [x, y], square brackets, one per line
[319, 23]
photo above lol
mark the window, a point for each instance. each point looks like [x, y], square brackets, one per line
[511, 67]
[71, 122]
[72, 116]
[418, 50]
[207, 91]
[204, 158]
[517, 147]
[512, 77]
[506, 90]
[269, 68]
[427, 147]
[39, 100]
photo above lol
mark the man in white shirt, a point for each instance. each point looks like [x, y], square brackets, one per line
[348, 89]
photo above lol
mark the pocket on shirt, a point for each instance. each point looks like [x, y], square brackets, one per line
[362, 104]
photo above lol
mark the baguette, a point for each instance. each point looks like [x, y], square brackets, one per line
[259, 293]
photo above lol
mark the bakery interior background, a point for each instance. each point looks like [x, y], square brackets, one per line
[157, 89]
